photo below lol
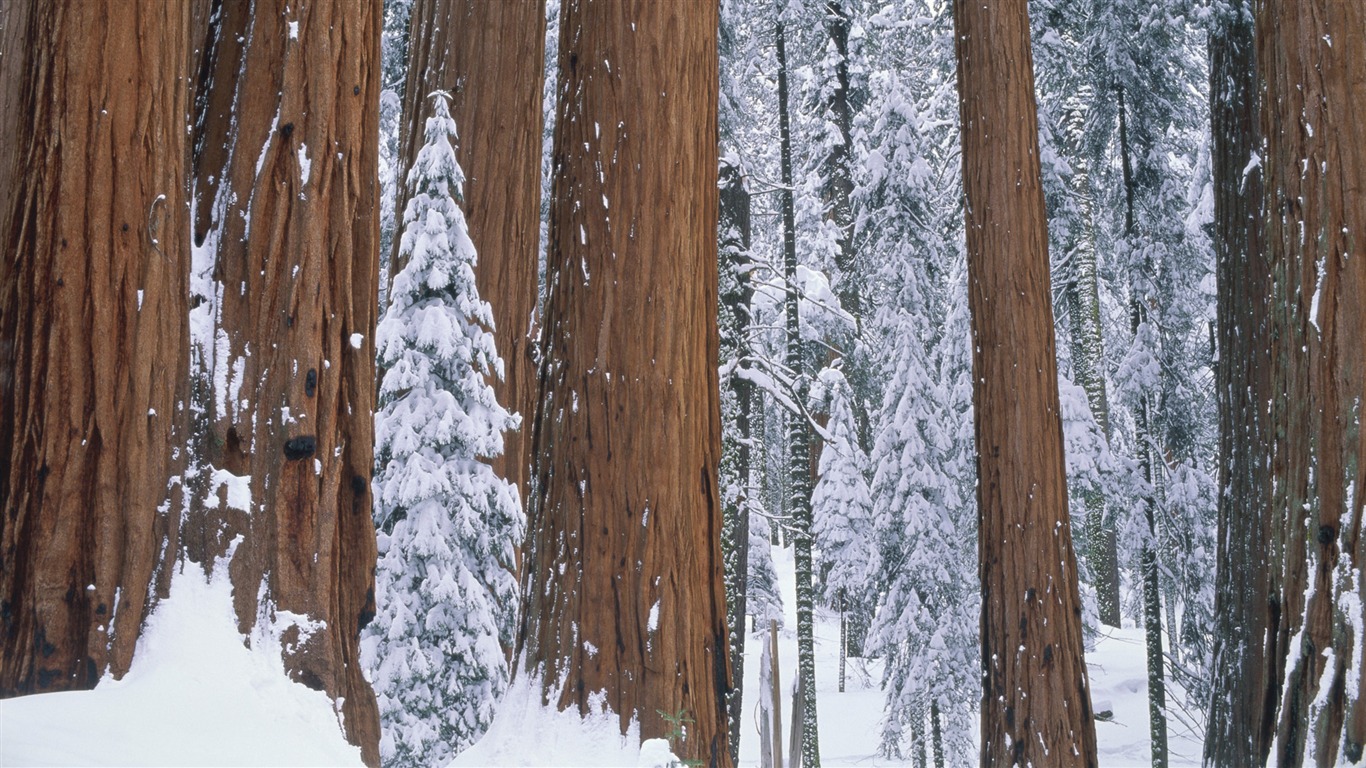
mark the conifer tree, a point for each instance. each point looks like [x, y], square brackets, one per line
[284, 212]
[489, 57]
[449, 525]
[927, 625]
[798, 457]
[1240, 724]
[1139, 74]
[1313, 79]
[842, 512]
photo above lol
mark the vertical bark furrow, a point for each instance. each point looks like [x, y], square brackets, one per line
[1240, 725]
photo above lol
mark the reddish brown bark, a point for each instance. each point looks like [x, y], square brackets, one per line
[490, 56]
[623, 586]
[1245, 684]
[285, 174]
[1309, 55]
[93, 333]
[1036, 702]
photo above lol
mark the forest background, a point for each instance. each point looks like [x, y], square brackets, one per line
[325, 295]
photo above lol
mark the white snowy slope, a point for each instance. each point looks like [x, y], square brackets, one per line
[1119, 677]
[850, 722]
[194, 696]
[197, 696]
[527, 733]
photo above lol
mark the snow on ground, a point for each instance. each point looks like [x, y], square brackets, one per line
[196, 695]
[527, 733]
[850, 722]
[1119, 681]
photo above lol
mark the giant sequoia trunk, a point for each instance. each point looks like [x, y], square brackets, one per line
[489, 55]
[623, 588]
[1309, 57]
[93, 332]
[285, 185]
[1036, 702]
[1243, 699]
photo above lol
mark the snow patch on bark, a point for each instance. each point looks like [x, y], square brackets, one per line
[238, 490]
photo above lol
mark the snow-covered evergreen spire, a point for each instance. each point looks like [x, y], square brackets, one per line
[448, 524]
[842, 504]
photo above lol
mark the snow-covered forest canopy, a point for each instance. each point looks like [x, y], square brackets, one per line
[695, 382]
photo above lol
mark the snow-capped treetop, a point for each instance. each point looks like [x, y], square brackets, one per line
[437, 334]
[449, 525]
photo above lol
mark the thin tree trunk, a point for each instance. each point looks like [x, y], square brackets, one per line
[936, 736]
[623, 586]
[918, 738]
[798, 437]
[1148, 457]
[773, 693]
[490, 56]
[93, 331]
[844, 641]
[1309, 58]
[736, 294]
[837, 182]
[1087, 356]
[1036, 702]
[285, 180]
[1088, 359]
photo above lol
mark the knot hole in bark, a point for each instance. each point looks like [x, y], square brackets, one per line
[300, 447]
[1327, 534]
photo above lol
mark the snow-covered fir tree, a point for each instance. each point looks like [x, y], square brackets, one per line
[842, 512]
[926, 628]
[448, 524]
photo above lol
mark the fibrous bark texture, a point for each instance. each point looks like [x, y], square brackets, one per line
[1243, 699]
[93, 333]
[623, 592]
[1036, 702]
[285, 185]
[1314, 76]
[490, 56]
